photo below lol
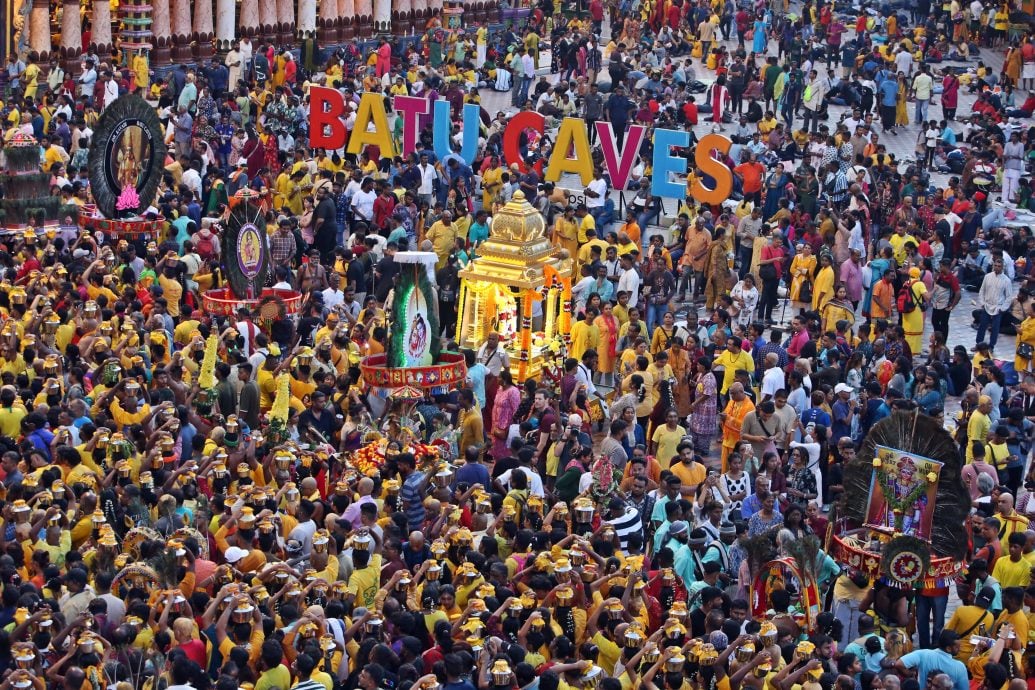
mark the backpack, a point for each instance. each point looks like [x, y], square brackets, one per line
[906, 300]
[205, 246]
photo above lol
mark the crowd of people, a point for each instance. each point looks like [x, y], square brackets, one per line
[157, 535]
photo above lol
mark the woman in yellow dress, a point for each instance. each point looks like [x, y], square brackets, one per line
[1025, 335]
[803, 266]
[823, 288]
[913, 322]
[838, 309]
[584, 336]
[141, 71]
[1012, 65]
[566, 232]
[492, 183]
[901, 112]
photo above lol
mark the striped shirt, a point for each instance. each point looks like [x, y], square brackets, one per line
[626, 525]
[413, 501]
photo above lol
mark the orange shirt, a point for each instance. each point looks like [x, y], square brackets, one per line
[632, 230]
[752, 174]
[883, 293]
[735, 413]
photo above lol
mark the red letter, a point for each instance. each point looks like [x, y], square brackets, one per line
[520, 122]
[409, 107]
[326, 129]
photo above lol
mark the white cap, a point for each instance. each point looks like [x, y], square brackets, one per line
[234, 554]
[843, 388]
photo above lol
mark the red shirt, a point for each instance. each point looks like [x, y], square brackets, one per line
[690, 112]
[596, 10]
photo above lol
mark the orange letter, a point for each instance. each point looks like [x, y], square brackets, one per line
[717, 170]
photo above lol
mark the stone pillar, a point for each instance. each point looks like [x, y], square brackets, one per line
[181, 30]
[39, 30]
[203, 33]
[402, 16]
[434, 8]
[382, 16]
[328, 22]
[306, 18]
[419, 14]
[347, 16]
[249, 22]
[71, 37]
[162, 30]
[365, 18]
[101, 26]
[225, 23]
[267, 19]
[285, 22]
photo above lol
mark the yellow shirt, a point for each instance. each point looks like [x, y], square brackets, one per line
[172, 291]
[977, 430]
[609, 651]
[366, 581]
[667, 441]
[726, 359]
[1010, 574]
[267, 389]
[11, 421]
[898, 246]
[123, 418]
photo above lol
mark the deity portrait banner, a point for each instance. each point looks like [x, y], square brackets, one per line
[903, 490]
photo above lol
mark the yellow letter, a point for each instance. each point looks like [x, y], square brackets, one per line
[572, 133]
[371, 107]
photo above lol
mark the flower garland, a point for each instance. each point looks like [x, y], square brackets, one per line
[278, 415]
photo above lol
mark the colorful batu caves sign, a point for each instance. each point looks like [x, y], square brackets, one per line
[327, 131]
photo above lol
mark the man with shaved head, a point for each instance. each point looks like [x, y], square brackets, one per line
[1010, 520]
[415, 551]
[365, 487]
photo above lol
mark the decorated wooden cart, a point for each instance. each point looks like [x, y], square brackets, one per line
[901, 518]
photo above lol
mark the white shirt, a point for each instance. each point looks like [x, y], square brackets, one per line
[535, 482]
[363, 204]
[192, 180]
[904, 62]
[332, 297]
[599, 187]
[772, 381]
[111, 92]
[994, 296]
[246, 51]
[427, 178]
[630, 282]
[528, 66]
[585, 377]
[304, 533]
[494, 361]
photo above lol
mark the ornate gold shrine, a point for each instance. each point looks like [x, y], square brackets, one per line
[516, 267]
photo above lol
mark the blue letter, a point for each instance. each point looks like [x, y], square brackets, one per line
[442, 131]
[666, 164]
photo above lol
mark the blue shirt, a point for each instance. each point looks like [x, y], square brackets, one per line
[927, 660]
[888, 90]
[476, 375]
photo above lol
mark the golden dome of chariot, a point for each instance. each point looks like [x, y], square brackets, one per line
[517, 249]
[518, 221]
